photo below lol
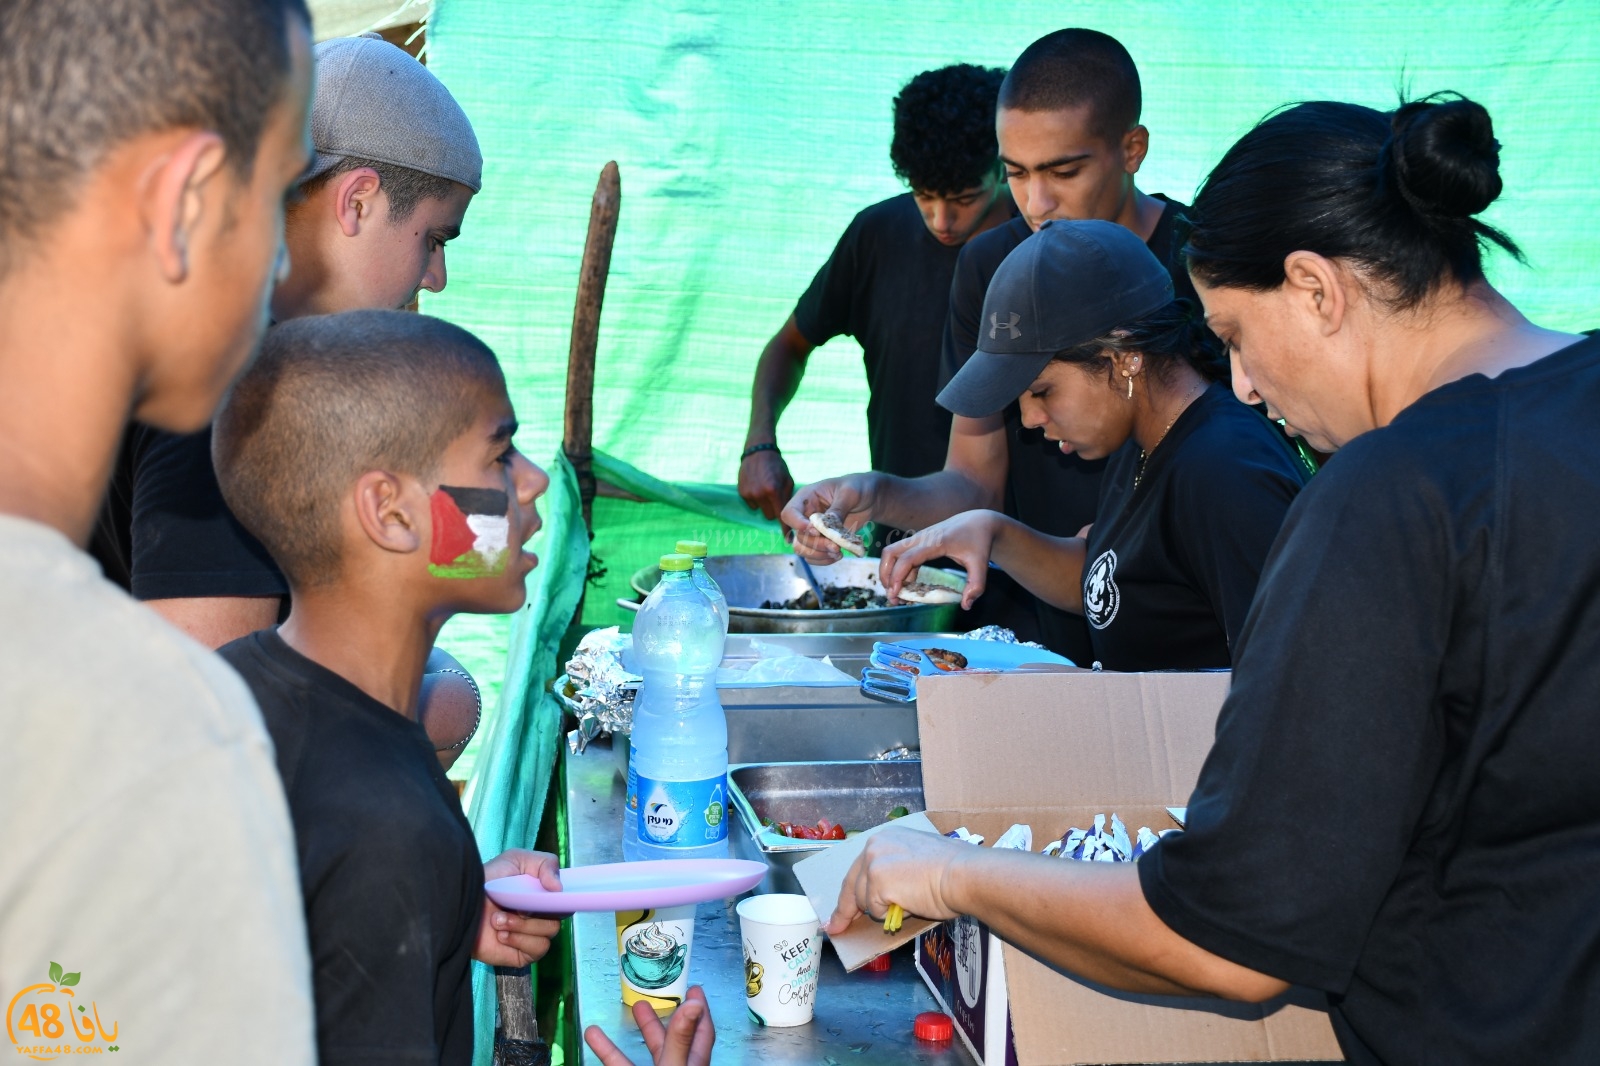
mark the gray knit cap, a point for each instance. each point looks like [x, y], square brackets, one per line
[375, 102]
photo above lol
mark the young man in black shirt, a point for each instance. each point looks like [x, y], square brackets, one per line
[396, 166]
[887, 284]
[371, 453]
[1071, 144]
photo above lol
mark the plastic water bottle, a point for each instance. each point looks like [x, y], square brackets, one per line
[678, 757]
[697, 550]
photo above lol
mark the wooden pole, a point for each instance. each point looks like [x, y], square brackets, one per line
[517, 1040]
[578, 438]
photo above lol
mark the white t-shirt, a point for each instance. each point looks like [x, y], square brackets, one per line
[145, 844]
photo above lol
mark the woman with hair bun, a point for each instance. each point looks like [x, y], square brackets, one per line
[1400, 809]
[1197, 484]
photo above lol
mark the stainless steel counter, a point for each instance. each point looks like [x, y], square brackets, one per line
[862, 1018]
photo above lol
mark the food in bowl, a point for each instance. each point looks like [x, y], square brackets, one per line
[834, 598]
[823, 830]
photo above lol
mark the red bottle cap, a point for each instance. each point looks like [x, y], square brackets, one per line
[933, 1026]
[878, 965]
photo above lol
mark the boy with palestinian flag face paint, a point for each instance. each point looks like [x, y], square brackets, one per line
[371, 452]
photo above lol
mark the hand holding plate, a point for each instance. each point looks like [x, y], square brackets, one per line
[507, 938]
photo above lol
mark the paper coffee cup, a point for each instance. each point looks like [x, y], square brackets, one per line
[782, 953]
[653, 955]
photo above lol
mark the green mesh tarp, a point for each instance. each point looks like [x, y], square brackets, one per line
[748, 134]
[505, 799]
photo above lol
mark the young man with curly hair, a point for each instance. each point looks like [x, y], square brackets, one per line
[1071, 143]
[887, 284]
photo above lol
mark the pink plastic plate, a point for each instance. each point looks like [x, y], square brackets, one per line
[628, 886]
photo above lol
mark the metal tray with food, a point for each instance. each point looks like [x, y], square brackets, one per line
[768, 594]
[808, 795]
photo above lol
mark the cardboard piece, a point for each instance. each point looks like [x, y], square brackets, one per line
[1010, 1007]
[993, 741]
[1053, 750]
[822, 877]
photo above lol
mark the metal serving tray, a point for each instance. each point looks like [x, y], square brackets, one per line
[747, 581]
[857, 795]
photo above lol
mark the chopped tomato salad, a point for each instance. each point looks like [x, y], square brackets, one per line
[823, 830]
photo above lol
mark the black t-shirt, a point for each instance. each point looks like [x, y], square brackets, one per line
[1402, 807]
[111, 539]
[1051, 492]
[390, 871]
[1172, 565]
[185, 541]
[887, 284]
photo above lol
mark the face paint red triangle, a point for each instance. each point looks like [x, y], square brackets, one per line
[452, 537]
[471, 532]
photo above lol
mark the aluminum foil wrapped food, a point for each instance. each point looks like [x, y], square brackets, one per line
[597, 688]
[1104, 842]
[999, 635]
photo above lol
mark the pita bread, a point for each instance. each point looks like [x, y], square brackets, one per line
[834, 530]
[922, 592]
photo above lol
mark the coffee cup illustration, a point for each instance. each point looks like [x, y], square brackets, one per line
[653, 958]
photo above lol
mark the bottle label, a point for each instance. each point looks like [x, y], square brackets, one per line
[682, 814]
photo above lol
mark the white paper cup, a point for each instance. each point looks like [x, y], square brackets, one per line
[782, 953]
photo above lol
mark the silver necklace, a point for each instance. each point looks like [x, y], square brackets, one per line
[1138, 475]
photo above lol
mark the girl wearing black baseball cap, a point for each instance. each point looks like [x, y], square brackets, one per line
[1082, 325]
[1401, 809]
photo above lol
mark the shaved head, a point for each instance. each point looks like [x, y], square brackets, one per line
[330, 398]
[1074, 68]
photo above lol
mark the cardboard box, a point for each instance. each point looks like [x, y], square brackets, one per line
[1053, 750]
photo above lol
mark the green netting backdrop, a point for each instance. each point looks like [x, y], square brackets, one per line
[748, 134]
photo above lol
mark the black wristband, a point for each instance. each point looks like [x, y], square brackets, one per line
[754, 448]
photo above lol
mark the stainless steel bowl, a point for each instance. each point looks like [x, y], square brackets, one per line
[750, 580]
[856, 795]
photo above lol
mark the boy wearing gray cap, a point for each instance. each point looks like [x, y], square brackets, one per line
[396, 165]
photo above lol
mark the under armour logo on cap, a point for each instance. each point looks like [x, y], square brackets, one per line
[1010, 325]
